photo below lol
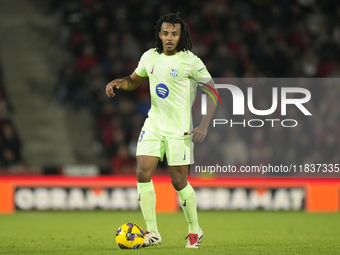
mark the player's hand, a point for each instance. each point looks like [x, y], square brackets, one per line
[109, 87]
[198, 134]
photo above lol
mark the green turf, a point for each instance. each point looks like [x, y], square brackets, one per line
[224, 233]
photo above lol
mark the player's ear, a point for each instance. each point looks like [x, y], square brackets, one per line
[160, 35]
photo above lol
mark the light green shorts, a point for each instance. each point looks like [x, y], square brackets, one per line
[179, 151]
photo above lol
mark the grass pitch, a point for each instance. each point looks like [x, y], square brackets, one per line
[93, 232]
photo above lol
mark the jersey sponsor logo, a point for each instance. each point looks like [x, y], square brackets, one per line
[201, 69]
[162, 90]
[152, 69]
[174, 72]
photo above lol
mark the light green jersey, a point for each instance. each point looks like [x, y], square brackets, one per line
[172, 89]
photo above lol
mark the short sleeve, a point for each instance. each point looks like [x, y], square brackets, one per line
[198, 70]
[140, 70]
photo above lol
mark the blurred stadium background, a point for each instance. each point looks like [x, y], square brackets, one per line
[56, 121]
[65, 146]
[57, 57]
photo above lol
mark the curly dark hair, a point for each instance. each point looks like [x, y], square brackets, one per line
[184, 43]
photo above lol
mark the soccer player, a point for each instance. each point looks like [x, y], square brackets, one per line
[172, 70]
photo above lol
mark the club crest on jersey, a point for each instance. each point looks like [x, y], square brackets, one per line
[162, 90]
[174, 72]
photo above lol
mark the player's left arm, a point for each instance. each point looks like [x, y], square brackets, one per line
[199, 133]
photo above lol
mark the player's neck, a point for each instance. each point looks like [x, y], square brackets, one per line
[171, 53]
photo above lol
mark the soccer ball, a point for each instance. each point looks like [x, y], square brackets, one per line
[130, 236]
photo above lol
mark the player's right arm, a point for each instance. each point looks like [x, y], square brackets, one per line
[127, 84]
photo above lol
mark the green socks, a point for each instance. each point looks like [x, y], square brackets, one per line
[188, 202]
[147, 202]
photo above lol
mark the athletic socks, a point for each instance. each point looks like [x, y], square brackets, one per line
[188, 202]
[147, 202]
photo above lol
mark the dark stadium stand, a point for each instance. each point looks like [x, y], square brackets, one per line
[10, 142]
[272, 38]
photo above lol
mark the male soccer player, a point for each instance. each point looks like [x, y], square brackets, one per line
[171, 68]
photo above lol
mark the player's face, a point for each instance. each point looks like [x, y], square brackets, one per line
[170, 35]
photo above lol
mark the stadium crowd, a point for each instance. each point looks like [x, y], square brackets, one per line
[234, 38]
[10, 142]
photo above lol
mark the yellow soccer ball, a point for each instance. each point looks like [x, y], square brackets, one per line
[130, 236]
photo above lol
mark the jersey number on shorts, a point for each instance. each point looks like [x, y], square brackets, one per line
[141, 136]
